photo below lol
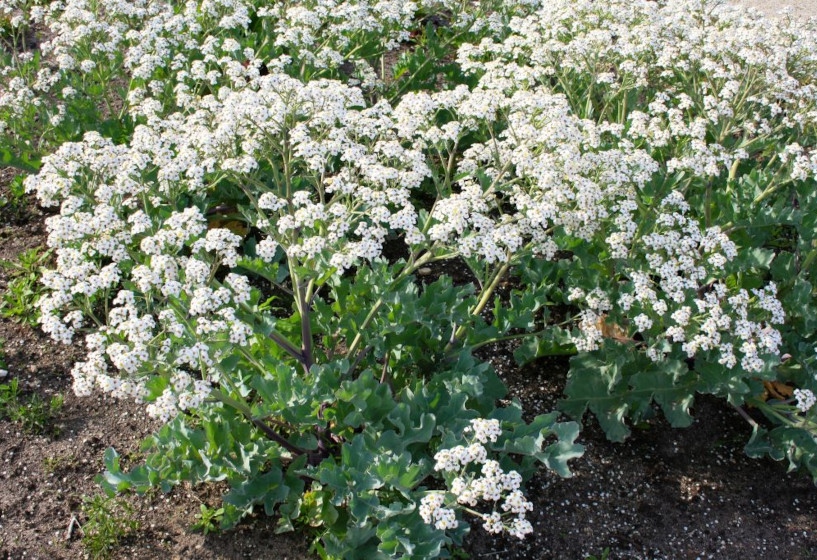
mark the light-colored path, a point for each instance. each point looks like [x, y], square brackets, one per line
[805, 8]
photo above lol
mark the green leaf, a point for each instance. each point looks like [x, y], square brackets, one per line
[262, 488]
[615, 382]
[718, 380]
[671, 385]
[593, 383]
[553, 342]
[784, 266]
[557, 454]
[114, 480]
[25, 162]
[796, 445]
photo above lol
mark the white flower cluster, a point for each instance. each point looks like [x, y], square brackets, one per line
[432, 511]
[16, 12]
[109, 230]
[751, 73]
[678, 295]
[117, 226]
[328, 176]
[549, 170]
[175, 315]
[334, 23]
[169, 51]
[596, 304]
[83, 50]
[805, 399]
[484, 430]
[490, 484]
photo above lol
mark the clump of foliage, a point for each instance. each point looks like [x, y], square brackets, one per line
[23, 289]
[241, 232]
[209, 519]
[14, 204]
[33, 414]
[54, 464]
[108, 520]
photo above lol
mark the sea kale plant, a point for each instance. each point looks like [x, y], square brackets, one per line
[293, 229]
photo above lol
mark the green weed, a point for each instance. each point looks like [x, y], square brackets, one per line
[23, 290]
[605, 554]
[34, 414]
[59, 463]
[107, 521]
[208, 520]
[15, 203]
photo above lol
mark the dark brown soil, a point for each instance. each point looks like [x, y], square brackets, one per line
[665, 493]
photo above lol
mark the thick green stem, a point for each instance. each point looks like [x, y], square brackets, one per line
[285, 345]
[771, 189]
[770, 410]
[745, 416]
[306, 326]
[708, 203]
[483, 301]
[733, 171]
[497, 339]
